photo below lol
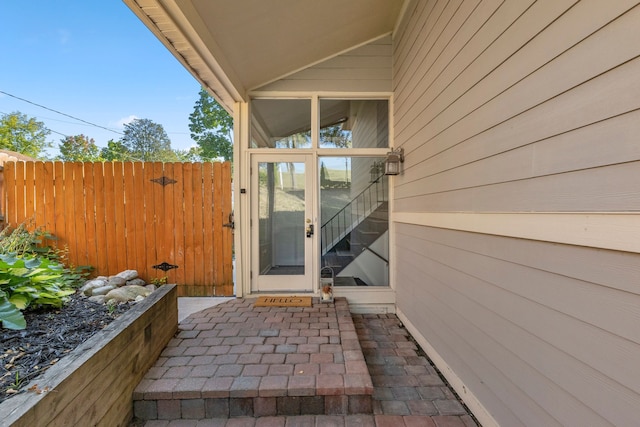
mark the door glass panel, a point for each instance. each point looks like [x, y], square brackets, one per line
[354, 123]
[281, 207]
[354, 220]
[281, 123]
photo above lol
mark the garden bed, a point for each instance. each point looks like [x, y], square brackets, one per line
[51, 334]
[93, 384]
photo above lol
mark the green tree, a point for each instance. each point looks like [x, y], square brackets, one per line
[211, 128]
[147, 141]
[115, 151]
[22, 134]
[78, 148]
[190, 155]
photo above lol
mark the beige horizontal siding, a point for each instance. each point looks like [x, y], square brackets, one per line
[610, 189]
[508, 108]
[537, 325]
[531, 103]
[529, 96]
[364, 69]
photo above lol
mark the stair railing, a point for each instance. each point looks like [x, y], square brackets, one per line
[353, 213]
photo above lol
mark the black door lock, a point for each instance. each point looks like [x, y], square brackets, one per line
[309, 230]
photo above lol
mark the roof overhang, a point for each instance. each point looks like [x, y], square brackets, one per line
[234, 46]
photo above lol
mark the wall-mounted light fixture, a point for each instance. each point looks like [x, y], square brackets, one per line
[392, 163]
[376, 170]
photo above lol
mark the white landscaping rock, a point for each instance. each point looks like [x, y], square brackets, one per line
[117, 281]
[138, 282]
[128, 275]
[97, 298]
[89, 286]
[125, 286]
[102, 290]
[127, 293]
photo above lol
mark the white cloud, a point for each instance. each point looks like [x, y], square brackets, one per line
[125, 121]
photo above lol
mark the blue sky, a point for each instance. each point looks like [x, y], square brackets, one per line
[94, 60]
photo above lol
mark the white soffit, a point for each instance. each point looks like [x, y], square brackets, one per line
[233, 46]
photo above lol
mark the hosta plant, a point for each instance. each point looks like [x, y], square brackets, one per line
[29, 282]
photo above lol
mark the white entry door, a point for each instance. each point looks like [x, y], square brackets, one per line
[283, 223]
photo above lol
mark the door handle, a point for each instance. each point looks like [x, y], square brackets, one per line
[309, 230]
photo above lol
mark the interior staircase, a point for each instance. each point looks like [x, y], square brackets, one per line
[356, 227]
[358, 240]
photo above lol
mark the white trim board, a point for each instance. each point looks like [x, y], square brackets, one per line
[615, 231]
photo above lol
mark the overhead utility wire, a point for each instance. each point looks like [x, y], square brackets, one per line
[58, 112]
[47, 128]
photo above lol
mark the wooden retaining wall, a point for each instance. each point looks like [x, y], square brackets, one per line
[94, 384]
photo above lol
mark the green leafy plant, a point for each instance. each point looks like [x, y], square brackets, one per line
[10, 315]
[32, 274]
[18, 381]
[159, 281]
[29, 282]
[111, 306]
[21, 241]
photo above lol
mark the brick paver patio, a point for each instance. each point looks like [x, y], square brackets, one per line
[239, 365]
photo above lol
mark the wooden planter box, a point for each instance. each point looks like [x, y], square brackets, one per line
[93, 385]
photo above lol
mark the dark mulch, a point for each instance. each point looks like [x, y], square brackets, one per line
[50, 335]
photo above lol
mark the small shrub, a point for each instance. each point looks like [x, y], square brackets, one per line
[22, 242]
[159, 281]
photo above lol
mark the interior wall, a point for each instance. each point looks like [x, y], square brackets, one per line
[521, 107]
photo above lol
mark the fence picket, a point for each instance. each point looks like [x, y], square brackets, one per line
[188, 224]
[90, 214]
[168, 223]
[9, 195]
[49, 199]
[218, 221]
[120, 226]
[20, 192]
[149, 233]
[29, 199]
[109, 218]
[79, 213]
[198, 235]
[178, 219]
[39, 189]
[69, 216]
[128, 212]
[158, 203]
[138, 201]
[102, 255]
[59, 204]
[207, 220]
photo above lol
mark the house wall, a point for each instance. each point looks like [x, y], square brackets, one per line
[513, 114]
[364, 69]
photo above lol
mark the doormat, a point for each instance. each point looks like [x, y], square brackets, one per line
[283, 302]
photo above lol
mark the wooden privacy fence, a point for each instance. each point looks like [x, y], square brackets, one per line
[117, 216]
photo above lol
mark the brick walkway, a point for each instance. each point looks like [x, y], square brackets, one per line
[238, 365]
